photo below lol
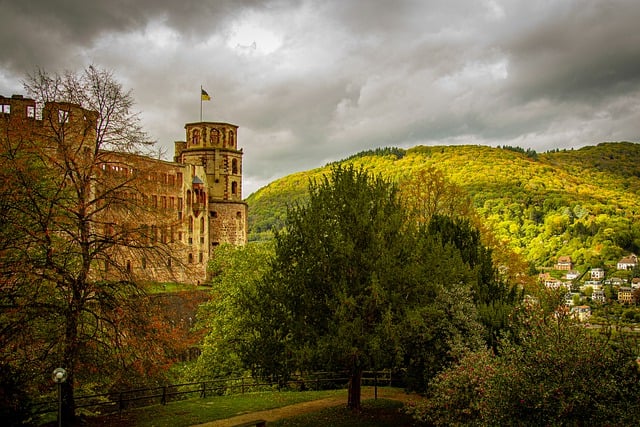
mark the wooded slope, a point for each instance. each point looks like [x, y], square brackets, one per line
[584, 203]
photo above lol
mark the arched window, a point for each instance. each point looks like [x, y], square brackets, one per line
[188, 198]
[234, 188]
[195, 137]
[214, 137]
[190, 224]
[232, 140]
[234, 166]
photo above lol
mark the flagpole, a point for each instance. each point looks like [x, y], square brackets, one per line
[200, 102]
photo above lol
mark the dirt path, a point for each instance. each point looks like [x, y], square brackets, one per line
[305, 407]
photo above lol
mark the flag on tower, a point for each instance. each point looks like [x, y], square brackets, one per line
[204, 96]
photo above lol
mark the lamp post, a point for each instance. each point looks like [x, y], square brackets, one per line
[59, 376]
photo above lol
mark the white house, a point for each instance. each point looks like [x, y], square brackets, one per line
[597, 273]
[628, 263]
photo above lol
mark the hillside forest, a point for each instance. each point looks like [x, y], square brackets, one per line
[583, 203]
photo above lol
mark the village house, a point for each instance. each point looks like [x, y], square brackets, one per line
[625, 296]
[581, 312]
[564, 263]
[572, 275]
[597, 273]
[628, 263]
[598, 296]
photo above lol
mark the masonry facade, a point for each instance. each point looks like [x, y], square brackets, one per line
[195, 200]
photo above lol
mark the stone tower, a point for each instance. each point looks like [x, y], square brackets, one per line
[213, 181]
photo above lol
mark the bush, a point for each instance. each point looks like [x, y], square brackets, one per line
[551, 372]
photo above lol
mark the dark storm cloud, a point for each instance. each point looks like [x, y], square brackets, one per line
[313, 81]
[583, 52]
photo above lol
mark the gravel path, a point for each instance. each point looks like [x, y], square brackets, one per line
[305, 407]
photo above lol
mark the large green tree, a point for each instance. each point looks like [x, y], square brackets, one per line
[355, 285]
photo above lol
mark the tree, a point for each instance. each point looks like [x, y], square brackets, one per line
[354, 285]
[428, 192]
[235, 271]
[69, 296]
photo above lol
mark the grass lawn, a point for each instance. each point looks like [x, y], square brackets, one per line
[197, 411]
[375, 413]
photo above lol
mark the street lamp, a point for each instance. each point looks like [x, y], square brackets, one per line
[59, 376]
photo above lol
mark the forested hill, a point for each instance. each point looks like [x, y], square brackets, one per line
[584, 203]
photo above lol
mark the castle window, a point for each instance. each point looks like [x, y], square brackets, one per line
[234, 166]
[200, 257]
[190, 224]
[5, 108]
[195, 137]
[214, 214]
[202, 225]
[232, 140]
[239, 215]
[188, 198]
[179, 203]
[128, 266]
[190, 258]
[154, 201]
[31, 111]
[179, 178]
[234, 188]
[214, 137]
[169, 262]
[63, 116]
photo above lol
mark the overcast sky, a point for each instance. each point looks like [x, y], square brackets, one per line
[314, 81]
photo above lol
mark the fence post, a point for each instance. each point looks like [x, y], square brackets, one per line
[375, 384]
[164, 395]
[203, 390]
[120, 402]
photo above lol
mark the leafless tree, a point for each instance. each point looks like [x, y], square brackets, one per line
[75, 215]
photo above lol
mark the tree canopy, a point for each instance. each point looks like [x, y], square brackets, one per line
[356, 283]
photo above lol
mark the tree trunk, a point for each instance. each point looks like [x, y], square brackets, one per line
[355, 390]
[69, 359]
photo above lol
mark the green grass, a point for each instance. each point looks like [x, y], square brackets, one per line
[196, 411]
[162, 287]
[375, 413]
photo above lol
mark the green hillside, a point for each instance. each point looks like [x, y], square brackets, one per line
[584, 203]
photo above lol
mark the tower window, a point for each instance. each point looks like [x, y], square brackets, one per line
[234, 166]
[195, 137]
[234, 188]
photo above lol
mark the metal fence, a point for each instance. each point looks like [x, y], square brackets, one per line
[119, 401]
